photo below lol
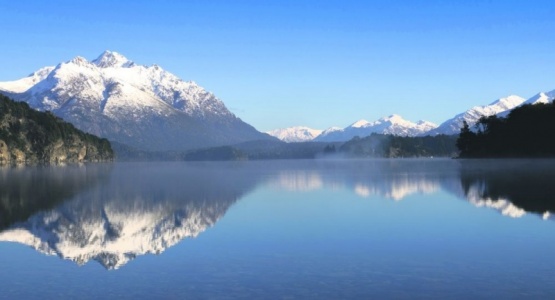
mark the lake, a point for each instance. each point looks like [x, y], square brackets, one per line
[297, 229]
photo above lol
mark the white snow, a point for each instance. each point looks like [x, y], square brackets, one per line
[393, 124]
[471, 116]
[295, 134]
[118, 84]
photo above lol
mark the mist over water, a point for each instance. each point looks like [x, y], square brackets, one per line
[306, 228]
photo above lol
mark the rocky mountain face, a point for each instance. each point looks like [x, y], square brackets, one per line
[28, 136]
[142, 106]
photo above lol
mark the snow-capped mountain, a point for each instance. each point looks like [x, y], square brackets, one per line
[295, 134]
[538, 98]
[471, 116]
[142, 106]
[393, 124]
[541, 98]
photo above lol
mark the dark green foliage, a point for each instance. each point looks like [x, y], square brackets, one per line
[526, 132]
[36, 134]
[390, 146]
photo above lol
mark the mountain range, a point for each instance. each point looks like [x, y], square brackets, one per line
[148, 108]
[396, 125]
[144, 107]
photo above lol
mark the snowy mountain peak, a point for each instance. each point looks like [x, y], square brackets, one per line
[360, 123]
[295, 134]
[508, 102]
[79, 60]
[471, 116]
[392, 124]
[143, 107]
[393, 119]
[110, 59]
[542, 97]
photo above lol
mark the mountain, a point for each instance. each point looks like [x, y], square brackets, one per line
[394, 125]
[295, 134]
[144, 107]
[536, 99]
[541, 98]
[471, 116]
[30, 136]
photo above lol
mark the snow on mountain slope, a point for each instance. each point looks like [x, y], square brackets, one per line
[393, 124]
[145, 107]
[471, 116]
[538, 98]
[541, 98]
[295, 134]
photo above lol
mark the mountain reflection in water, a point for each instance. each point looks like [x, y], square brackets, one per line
[140, 209]
[114, 213]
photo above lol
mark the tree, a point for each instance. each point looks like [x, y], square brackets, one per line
[466, 141]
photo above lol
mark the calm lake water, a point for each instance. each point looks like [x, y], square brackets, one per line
[319, 229]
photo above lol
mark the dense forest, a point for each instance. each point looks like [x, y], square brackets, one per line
[527, 131]
[27, 135]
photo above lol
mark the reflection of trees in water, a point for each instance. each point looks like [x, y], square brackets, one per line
[26, 190]
[529, 185]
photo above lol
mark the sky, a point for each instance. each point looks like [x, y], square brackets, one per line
[316, 63]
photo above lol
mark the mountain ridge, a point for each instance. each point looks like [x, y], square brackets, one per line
[392, 124]
[143, 106]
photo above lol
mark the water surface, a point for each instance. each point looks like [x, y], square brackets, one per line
[279, 229]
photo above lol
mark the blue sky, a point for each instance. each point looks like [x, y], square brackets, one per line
[315, 63]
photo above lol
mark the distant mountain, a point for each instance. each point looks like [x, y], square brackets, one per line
[471, 116]
[144, 107]
[295, 134]
[394, 125]
[536, 99]
[541, 98]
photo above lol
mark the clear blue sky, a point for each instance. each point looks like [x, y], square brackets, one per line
[316, 63]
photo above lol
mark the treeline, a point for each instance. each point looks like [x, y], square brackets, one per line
[27, 135]
[373, 146]
[391, 146]
[253, 150]
[528, 131]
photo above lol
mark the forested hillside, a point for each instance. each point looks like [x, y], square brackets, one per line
[27, 135]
